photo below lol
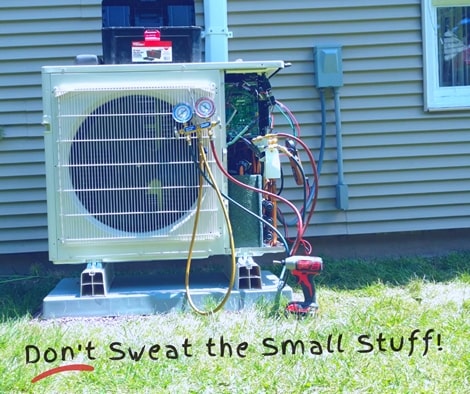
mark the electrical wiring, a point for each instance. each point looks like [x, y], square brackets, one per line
[270, 186]
[300, 226]
[255, 154]
[247, 148]
[290, 116]
[204, 166]
[286, 116]
[18, 278]
[315, 176]
[281, 187]
[309, 194]
[309, 201]
[314, 195]
[302, 173]
[229, 120]
[305, 244]
[241, 133]
[242, 207]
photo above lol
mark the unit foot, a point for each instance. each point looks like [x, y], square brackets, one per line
[96, 279]
[247, 274]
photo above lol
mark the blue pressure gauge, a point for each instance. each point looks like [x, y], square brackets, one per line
[182, 113]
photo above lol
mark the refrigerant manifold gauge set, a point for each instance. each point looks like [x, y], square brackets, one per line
[204, 108]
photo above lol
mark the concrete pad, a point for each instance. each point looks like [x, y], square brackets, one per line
[159, 294]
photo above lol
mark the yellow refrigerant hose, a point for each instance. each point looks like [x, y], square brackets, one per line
[204, 166]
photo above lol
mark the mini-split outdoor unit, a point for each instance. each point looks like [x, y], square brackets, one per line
[122, 182]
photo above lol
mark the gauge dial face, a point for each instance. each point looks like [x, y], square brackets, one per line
[182, 113]
[205, 107]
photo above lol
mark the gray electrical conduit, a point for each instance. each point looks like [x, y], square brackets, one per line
[341, 187]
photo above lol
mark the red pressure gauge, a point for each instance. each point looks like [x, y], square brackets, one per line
[205, 107]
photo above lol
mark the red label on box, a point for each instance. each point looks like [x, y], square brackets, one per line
[162, 44]
[152, 35]
[151, 49]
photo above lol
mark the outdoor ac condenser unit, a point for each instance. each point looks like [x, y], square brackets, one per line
[122, 184]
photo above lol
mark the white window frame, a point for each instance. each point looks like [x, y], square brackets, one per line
[438, 98]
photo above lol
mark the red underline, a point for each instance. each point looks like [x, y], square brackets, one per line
[63, 368]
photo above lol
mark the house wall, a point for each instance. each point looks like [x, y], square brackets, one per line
[33, 34]
[406, 169]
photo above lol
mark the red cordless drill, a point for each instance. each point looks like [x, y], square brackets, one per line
[304, 268]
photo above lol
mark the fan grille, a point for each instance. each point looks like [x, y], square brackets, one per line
[122, 167]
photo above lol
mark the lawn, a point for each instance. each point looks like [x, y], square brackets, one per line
[395, 325]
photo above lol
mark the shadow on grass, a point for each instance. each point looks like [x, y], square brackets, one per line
[355, 274]
[22, 295]
[22, 292]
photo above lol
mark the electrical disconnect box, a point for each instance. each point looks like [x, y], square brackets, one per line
[328, 66]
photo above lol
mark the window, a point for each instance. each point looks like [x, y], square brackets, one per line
[446, 40]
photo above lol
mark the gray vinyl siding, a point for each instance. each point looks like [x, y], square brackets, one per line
[406, 169]
[33, 34]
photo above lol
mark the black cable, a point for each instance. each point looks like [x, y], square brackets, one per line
[281, 187]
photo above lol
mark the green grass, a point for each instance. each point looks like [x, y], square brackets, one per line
[366, 338]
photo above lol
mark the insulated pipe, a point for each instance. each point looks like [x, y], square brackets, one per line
[216, 30]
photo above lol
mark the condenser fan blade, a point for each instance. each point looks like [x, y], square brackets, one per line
[127, 168]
